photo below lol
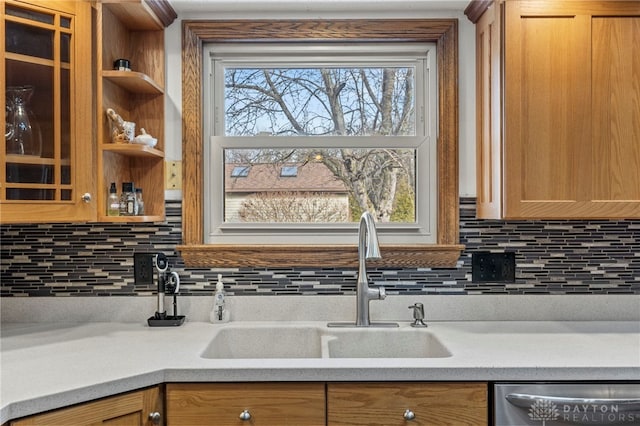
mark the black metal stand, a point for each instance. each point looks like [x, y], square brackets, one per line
[168, 321]
[172, 285]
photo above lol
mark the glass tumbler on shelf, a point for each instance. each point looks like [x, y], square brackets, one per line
[22, 133]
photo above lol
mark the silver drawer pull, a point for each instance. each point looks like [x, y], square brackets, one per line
[409, 415]
[245, 415]
[524, 400]
[155, 418]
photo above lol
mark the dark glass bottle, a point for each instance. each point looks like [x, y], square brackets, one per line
[127, 200]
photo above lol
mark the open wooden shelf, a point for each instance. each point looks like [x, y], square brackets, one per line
[135, 14]
[129, 219]
[133, 81]
[132, 150]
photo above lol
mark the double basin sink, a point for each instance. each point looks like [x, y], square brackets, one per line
[316, 341]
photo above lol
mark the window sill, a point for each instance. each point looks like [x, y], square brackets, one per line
[324, 256]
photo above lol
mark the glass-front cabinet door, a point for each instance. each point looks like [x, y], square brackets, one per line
[47, 158]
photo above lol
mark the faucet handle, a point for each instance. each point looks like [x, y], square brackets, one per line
[382, 293]
[418, 315]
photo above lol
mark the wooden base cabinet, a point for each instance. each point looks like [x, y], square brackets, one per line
[139, 408]
[336, 404]
[277, 404]
[282, 404]
[409, 403]
[558, 120]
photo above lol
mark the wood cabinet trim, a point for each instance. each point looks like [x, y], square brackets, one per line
[163, 10]
[444, 32]
[143, 14]
[476, 8]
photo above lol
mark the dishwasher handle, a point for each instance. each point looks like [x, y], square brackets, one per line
[524, 400]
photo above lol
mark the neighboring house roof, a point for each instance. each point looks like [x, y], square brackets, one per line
[267, 177]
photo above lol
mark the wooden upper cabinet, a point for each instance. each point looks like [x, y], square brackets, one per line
[45, 161]
[558, 109]
[53, 79]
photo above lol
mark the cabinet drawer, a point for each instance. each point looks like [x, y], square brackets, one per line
[386, 403]
[203, 404]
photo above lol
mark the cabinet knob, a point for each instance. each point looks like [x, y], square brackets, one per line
[245, 415]
[409, 415]
[155, 418]
[86, 197]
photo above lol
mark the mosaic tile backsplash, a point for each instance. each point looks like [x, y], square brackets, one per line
[552, 257]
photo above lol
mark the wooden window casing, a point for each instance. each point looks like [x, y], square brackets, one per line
[443, 32]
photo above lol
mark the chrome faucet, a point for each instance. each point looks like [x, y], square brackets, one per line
[368, 249]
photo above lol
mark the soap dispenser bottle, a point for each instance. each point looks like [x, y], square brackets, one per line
[219, 313]
[113, 201]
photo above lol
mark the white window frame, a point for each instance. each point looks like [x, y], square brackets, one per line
[423, 56]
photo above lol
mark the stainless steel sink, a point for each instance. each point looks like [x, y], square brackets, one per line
[265, 342]
[385, 343]
[258, 341]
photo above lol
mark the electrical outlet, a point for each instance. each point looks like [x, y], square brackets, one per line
[493, 267]
[143, 268]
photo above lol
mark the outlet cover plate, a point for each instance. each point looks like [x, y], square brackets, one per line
[143, 268]
[493, 267]
[173, 174]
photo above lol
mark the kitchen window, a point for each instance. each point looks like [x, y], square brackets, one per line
[445, 252]
[320, 133]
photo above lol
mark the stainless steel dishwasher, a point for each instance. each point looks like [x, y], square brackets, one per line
[563, 404]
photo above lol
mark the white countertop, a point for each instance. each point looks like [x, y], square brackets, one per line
[50, 365]
[58, 351]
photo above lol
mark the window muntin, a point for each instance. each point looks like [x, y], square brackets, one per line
[251, 138]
